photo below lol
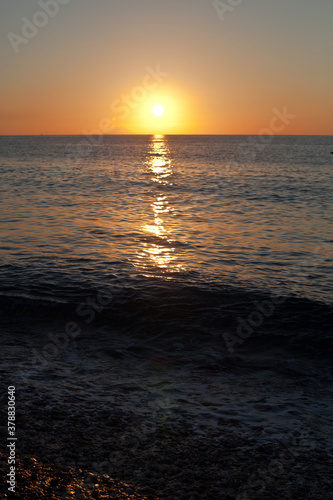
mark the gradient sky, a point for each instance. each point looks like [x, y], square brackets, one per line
[86, 69]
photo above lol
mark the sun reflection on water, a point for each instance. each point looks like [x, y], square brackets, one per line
[157, 247]
[159, 161]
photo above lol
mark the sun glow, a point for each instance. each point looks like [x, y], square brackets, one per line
[168, 110]
[158, 110]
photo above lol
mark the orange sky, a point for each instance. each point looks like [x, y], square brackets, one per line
[101, 66]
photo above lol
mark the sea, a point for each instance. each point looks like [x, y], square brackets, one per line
[185, 274]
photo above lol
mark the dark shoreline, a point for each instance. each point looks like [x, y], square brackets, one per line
[170, 417]
[73, 447]
[168, 464]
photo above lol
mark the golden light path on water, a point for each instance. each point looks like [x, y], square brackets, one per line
[157, 247]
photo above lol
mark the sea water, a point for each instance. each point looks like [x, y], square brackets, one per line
[183, 265]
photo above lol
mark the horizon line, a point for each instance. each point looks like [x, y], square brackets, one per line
[131, 135]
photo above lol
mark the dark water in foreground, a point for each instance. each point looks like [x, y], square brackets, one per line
[178, 250]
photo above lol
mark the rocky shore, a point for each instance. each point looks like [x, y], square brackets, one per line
[88, 453]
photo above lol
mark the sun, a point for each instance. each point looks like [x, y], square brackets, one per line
[158, 110]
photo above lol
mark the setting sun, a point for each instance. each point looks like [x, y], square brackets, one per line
[158, 110]
[170, 109]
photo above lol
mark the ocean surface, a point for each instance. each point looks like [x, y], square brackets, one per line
[208, 256]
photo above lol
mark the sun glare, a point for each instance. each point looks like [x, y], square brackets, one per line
[166, 111]
[158, 110]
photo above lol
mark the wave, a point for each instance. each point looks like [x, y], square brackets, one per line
[233, 318]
